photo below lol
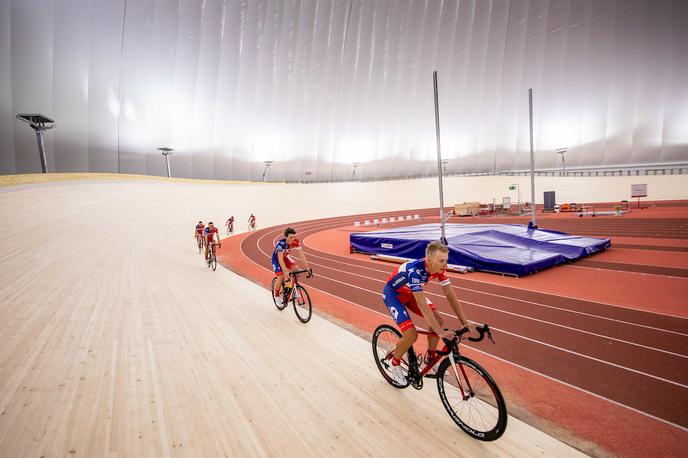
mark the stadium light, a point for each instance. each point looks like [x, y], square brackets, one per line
[39, 123]
[562, 151]
[266, 164]
[166, 152]
[444, 166]
[355, 164]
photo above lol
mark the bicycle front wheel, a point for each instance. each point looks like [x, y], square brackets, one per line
[213, 261]
[385, 339]
[280, 305]
[302, 304]
[472, 400]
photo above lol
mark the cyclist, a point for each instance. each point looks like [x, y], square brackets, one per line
[283, 263]
[230, 224]
[211, 234]
[252, 221]
[404, 291]
[198, 232]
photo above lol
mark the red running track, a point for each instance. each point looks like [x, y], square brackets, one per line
[624, 357]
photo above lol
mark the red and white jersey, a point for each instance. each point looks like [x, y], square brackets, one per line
[209, 233]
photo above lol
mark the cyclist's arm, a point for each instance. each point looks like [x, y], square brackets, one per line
[455, 304]
[429, 316]
[302, 257]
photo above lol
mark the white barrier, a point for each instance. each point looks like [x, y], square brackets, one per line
[366, 222]
[384, 221]
[392, 220]
[357, 224]
[416, 216]
[408, 217]
[376, 221]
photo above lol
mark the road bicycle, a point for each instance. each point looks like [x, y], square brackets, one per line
[211, 261]
[296, 294]
[230, 229]
[469, 394]
[251, 226]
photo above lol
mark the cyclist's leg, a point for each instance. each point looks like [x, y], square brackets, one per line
[279, 275]
[412, 305]
[403, 320]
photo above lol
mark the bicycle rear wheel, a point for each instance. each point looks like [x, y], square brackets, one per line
[213, 260]
[385, 338]
[302, 304]
[473, 401]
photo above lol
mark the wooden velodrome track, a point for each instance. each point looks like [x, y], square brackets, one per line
[632, 359]
[116, 340]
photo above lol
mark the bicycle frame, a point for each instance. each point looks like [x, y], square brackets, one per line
[452, 351]
[439, 355]
[294, 282]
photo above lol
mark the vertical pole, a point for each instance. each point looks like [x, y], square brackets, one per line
[439, 156]
[41, 150]
[563, 164]
[167, 161]
[532, 158]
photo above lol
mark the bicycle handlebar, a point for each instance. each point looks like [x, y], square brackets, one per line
[297, 272]
[482, 330]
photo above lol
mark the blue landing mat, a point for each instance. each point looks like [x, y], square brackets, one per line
[510, 249]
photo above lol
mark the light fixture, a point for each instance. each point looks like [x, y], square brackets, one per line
[266, 164]
[355, 164]
[562, 151]
[39, 123]
[166, 152]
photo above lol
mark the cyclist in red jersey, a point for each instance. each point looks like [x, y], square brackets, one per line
[198, 231]
[230, 224]
[252, 220]
[283, 263]
[211, 234]
[404, 291]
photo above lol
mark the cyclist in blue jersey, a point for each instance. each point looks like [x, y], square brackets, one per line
[283, 263]
[404, 291]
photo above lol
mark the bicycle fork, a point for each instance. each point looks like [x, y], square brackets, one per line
[465, 394]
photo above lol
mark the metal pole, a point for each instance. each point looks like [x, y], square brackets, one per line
[167, 161]
[41, 150]
[532, 159]
[563, 164]
[439, 156]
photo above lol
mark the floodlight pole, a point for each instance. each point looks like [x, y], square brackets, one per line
[166, 152]
[266, 164]
[532, 160]
[41, 150]
[38, 123]
[562, 151]
[439, 156]
[355, 164]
